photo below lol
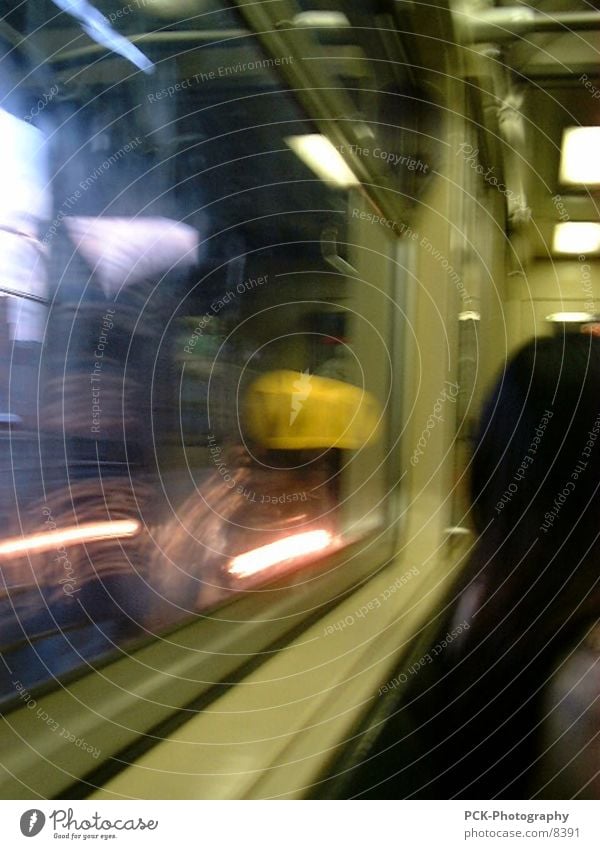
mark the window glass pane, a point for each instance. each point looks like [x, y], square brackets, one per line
[194, 366]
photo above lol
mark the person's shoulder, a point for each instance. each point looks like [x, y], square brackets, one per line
[570, 739]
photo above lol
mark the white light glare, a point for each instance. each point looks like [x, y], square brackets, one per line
[576, 237]
[469, 315]
[316, 151]
[569, 317]
[289, 548]
[579, 160]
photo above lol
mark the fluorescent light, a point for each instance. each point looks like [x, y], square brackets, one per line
[469, 315]
[47, 540]
[322, 18]
[568, 317]
[289, 548]
[576, 237]
[579, 159]
[320, 155]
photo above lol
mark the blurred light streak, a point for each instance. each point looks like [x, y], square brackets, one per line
[70, 536]
[99, 30]
[289, 548]
[568, 317]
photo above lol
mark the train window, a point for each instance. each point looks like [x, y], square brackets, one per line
[194, 366]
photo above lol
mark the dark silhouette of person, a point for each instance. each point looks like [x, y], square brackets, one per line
[508, 706]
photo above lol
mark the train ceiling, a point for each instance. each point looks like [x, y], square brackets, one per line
[551, 60]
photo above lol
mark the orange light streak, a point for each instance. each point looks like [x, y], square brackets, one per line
[70, 536]
[288, 548]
